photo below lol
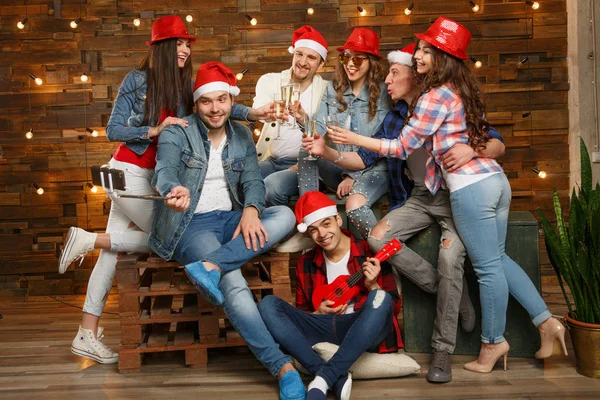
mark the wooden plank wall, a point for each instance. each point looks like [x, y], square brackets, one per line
[106, 45]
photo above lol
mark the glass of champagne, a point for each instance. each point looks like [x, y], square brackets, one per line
[286, 95]
[279, 112]
[295, 99]
[310, 129]
[331, 120]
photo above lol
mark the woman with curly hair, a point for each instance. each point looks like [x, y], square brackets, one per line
[356, 100]
[450, 111]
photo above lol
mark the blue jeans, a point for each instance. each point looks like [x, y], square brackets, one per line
[297, 331]
[480, 213]
[208, 237]
[272, 165]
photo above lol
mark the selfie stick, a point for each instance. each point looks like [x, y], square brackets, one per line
[110, 191]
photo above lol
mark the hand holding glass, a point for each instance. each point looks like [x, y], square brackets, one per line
[310, 129]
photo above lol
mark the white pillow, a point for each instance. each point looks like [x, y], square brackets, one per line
[369, 365]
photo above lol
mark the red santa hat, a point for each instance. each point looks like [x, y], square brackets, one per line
[309, 37]
[403, 56]
[214, 76]
[312, 207]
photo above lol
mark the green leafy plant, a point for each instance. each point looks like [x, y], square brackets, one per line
[574, 249]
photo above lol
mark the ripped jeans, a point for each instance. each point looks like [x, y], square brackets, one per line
[421, 210]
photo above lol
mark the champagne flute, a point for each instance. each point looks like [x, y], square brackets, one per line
[331, 120]
[286, 95]
[310, 129]
[295, 99]
[279, 114]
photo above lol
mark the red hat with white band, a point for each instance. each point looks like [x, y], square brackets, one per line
[309, 37]
[404, 56]
[212, 77]
[312, 207]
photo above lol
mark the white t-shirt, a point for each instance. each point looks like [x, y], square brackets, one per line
[215, 192]
[335, 269]
[291, 137]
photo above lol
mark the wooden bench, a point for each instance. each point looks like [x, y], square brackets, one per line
[160, 310]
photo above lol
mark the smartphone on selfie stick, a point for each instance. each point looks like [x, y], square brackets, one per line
[112, 179]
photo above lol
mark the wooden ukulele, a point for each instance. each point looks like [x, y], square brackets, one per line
[344, 287]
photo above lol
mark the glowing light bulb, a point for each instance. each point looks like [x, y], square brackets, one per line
[535, 5]
[189, 18]
[361, 11]
[84, 77]
[136, 22]
[256, 132]
[92, 188]
[39, 190]
[253, 21]
[310, 11]
[474, 6]
[38, 81]
[76, 22]
[21, 24]
[541, 174]
[478, 64]
[239, 76]
[29, 134]
[408, 10]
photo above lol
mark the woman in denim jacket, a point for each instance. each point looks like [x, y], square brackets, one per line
[155, 95]
[357, 99]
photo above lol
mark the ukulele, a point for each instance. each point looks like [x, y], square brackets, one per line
[344, 287]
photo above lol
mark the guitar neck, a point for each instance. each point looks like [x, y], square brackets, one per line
[383, 254]
[355, 278]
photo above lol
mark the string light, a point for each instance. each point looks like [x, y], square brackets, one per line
[253, 21]
[255, 130]
[92, 132]
[92, 188]
[240, 75]
[136, 22]
[474, 6]
[478, 64]
[541, 174]
[526, 114]
[361, 11]
[21, 24]
[310, 11]
[534, 4]
[39, 190]
[408, 10]
[84, 77]
[189, 18]
[76, 22]
[29, 134]
[38, 81]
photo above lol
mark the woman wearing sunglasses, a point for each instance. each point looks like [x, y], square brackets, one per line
[356, 100]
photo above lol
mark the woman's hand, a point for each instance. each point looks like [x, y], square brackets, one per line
[342, 136]
[315, 145]
[156, 130]
[344, 187]
[299, 113]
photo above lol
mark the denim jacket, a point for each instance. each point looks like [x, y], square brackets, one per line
[182, 160]
[358, 109]
[125, 123]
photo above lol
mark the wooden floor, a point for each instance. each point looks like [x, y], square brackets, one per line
[36, 363]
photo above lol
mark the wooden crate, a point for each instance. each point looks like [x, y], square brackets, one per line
[160, 310]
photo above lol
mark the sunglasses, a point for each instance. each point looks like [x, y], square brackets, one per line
[356, 60]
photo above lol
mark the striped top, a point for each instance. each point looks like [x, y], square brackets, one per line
[438, 123]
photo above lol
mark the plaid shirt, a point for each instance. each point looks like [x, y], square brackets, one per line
[437, 124]
[311, 273]
[400, 185]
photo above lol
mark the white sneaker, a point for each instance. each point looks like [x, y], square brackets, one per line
[86, 345]
[77, 244]
[298, 242]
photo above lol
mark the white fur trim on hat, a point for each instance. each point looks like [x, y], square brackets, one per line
[400, 57]
[314, 216]
[215, 87]
[311, 44]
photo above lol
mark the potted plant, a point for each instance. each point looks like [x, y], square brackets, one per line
[574, 252]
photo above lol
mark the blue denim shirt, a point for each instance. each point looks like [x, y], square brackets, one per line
[125, 123]
[182, 160]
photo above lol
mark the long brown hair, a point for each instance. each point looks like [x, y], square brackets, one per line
[375, 76]
[455, 73]
[166, 84]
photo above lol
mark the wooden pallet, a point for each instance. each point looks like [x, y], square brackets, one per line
[161, 311]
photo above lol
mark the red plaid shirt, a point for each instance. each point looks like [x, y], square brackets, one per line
[310, 274]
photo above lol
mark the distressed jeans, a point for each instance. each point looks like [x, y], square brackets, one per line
[481, 214]
[421, 210]
[297, 331]
[210, 239]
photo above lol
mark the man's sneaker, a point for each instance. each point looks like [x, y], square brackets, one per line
[77, 244]
[343, 387]
[440, 370]
[86, 345]
[298, 242]
[466, 311]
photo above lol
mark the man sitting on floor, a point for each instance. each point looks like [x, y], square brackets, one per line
[214, 219]
[366, 323]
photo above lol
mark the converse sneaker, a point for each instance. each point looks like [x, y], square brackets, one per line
[77, 244]
[86, 345]
[298, 242]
